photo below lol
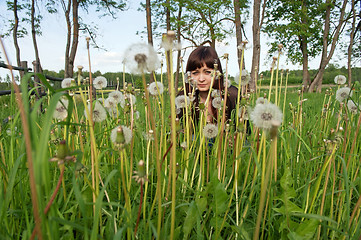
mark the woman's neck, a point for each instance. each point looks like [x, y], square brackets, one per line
[203, 96]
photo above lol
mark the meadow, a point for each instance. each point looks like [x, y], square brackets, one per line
[120, 165]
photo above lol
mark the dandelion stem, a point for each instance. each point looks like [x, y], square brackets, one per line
[157, 156]
[139, 210]
[173, 137]
[264, 184]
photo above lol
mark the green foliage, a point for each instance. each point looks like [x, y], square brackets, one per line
[292, 24]
[213, 17]
[207, 206]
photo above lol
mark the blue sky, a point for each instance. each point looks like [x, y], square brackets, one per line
[115, 35]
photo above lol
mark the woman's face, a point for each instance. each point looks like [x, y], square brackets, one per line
[203, 77]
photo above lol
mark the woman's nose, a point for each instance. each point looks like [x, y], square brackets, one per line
[201, 77]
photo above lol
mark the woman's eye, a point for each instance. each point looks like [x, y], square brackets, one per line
[195, 73]
[208, 72]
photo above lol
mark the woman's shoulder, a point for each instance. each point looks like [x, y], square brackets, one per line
[233, 92]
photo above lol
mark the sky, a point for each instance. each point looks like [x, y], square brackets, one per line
[115, 35]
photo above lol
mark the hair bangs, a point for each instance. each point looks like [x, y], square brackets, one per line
[200, 56]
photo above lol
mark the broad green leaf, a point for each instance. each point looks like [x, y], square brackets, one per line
[201, 204]
[308, 228]
[190, 220]
[290, 208]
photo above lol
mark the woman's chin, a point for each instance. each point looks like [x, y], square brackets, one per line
[203, 89]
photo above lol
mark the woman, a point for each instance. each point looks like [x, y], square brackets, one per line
[200, 70]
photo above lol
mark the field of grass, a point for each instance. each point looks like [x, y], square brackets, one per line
[77, 178]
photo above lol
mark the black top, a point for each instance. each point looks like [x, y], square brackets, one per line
[230, 104]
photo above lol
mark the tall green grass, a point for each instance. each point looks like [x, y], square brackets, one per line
[207, 190]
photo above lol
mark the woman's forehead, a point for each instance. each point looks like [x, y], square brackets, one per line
[203, 66]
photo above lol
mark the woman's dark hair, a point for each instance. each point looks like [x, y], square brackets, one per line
[208, 56]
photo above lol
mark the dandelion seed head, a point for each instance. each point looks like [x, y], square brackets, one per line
[217, 102]
[117, 96]
[67, 82]
[156, 88]
[343, 93]
[140, 58]
[61, 111]
[180, 101]
[210, 130]
[187, 77]
[99, 113]
[121, 135]
[264, 115]
[100, 82]
[110, 104]
[352, 107]
[262, 100]
[340, 79]
[243, 113]
[227, 83]
[140, 176]
[245, 78]
[215, 93]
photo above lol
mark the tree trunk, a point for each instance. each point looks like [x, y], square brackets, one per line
[256, 33]
[237, 21]
[349, 50]
[149, 30]
[36, 63]
[305, 73]
[74, 44]
[33, 33]
[15, 36]
[149, 22]
[325, 58]
[304, 49]
[67, 8]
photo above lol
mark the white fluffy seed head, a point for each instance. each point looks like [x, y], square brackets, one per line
[67, 82]
[182, 101]
[156, 88]
[352, 107]
[343, 93]
[100, 82]
[117, 96]
[261, 100]
[264, 115]
[245, 78]
[340, 79]
[217, 102]
[121, 135]
[99, 113]
[140, 58]
[61, 111]
[210, 130]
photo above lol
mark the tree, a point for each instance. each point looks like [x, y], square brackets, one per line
[305, 29]
[353, 31]
[238, 6]
[35, 20]
[258, 18]
[16, 28]
[296, 25]
[75, 25]
[330, 39]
